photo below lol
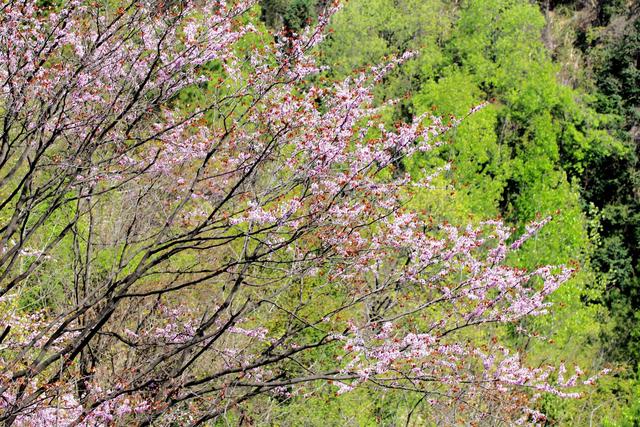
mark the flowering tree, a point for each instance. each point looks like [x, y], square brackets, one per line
[208, 251]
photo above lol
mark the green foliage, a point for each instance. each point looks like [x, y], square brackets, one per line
[607, 164]
[539, 148]
[367, 33]
[515, 158]
[293, 15]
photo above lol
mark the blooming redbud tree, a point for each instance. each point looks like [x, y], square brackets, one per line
[190, 254]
